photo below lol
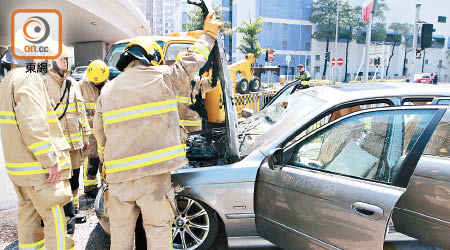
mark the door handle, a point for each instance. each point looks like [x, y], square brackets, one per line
[367, 210]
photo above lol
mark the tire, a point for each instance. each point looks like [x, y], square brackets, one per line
[255, 84]
[206, 218]
[242, 86]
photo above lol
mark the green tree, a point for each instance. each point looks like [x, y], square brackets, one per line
[195, 20]
[407, 42]
[249, 42]
[350, 20]
[395, 39]
[324, 17]
[348, 25]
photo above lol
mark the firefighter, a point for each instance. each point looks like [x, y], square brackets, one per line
[136, 125]
[190, 120]
[67, 101]
[302, 74]
[36, 158]
[97, 74]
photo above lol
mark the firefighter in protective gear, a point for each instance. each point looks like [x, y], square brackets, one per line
[190, 120]
[97, 74]
[136, 125]
[67, 101]
[302, 75]
[36, 158]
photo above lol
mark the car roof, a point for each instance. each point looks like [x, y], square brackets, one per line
[165, 39]
[348, 92]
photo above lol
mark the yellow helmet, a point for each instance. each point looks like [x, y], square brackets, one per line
[97, 72]
[148, 52]
[180, 55]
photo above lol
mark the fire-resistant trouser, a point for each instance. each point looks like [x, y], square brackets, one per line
[91, 167]
[76, 159]
[43, 202]
[152, 196]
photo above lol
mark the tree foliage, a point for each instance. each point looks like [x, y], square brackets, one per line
[195, 20]
[249, 43]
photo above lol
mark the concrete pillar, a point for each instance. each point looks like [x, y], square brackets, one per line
[86, 51]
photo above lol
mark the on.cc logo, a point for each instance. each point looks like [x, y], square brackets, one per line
[36, 29]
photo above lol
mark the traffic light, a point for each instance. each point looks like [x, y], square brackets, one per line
[327, 56]
[427, 36]
[377, 61]
[267, 56]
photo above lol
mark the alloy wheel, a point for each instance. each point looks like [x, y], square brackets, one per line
[191, 225]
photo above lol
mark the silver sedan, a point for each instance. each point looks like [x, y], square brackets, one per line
[323, 167]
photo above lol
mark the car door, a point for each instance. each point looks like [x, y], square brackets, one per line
[423, 210]
[335, 188]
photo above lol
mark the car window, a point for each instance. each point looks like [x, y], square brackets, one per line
[417, 101]
[336, 115]
[439, 144]
[173, 50]
[114, 54]
[370, 145]
[444, 102]
[80, 69]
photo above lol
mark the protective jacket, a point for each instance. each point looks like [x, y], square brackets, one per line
[304, 76]
[136, 121]
[90, 93]
[74, 123]
[189, 118]
[31, 135]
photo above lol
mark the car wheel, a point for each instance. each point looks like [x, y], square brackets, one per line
[242, 86]
[196, 225]
[255, 84]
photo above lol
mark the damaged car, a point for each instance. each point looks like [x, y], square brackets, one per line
[323, 167]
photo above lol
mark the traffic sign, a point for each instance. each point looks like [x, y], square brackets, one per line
[340, 61]
[333, 61]
[288, 59]
[271, 56]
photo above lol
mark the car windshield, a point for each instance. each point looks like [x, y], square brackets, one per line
[114, 54]
[116, 50]
[80, 69]
[286, 110]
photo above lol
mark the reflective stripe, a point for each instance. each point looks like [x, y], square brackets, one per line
[90, 105]
[74, 137]
[84, 123]
[51, 117]
[88, 182]
[41, 147]
[139, 111]
[32, 246]
[190, 123]
[28, 168]
[61, 107]
[59, 227]
[185, 99]
[75, 200]
[143, 160]
[8, 117]
[201, 49]
[80, 106]
[100, 149]
[171, 236]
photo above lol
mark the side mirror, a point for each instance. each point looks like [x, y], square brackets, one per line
[275, 158]
[246, 113]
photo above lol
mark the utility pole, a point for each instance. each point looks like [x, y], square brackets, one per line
[368, 36]
[414, 48]
[336, 39]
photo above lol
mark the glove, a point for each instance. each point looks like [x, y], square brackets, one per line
[212, 26]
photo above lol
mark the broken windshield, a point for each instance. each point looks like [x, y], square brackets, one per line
[286, 110]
